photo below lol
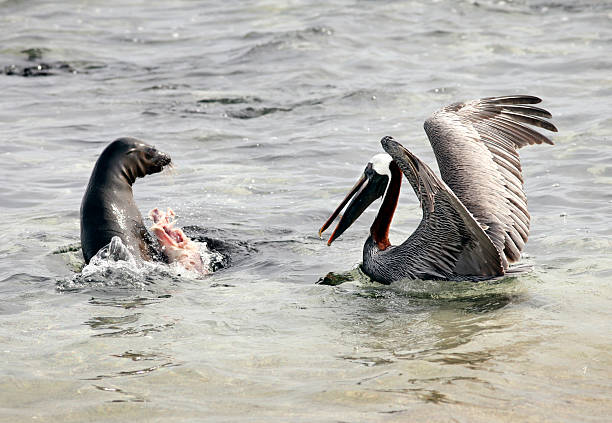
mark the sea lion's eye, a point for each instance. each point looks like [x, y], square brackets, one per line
[150, 153]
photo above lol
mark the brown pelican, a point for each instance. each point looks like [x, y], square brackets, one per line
[475, 220]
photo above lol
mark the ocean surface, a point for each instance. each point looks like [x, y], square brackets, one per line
[270, 111]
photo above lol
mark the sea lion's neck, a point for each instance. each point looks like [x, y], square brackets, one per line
[128, 173]
[116, 173]
[132, 170]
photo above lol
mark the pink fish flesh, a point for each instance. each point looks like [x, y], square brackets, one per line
[177, 247]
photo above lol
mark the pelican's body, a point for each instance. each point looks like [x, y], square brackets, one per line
[475, 220]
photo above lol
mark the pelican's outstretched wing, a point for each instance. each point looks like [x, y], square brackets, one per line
[449, 243]
[476, 145]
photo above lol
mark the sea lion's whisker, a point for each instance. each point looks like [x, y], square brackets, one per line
[169, 170]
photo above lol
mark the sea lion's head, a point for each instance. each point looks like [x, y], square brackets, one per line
[135, 158]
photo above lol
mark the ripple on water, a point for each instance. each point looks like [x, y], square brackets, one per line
[278, 44]
[137, 372]
[125, 395]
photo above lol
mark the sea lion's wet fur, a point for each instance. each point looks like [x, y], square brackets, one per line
[108, 208]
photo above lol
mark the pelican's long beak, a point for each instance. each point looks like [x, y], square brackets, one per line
[368, 188]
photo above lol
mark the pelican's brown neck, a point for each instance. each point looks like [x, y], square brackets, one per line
[380, 228]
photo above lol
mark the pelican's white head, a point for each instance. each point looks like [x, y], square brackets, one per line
[381, 164]
[372, 185]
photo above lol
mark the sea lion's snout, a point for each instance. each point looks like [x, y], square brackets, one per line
[155, 160]
[162, 159]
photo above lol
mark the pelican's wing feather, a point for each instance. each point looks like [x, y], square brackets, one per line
[476, 145]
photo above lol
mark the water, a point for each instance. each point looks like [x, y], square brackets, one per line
[270, 111]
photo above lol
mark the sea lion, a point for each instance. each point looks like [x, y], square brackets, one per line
[108, 208]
